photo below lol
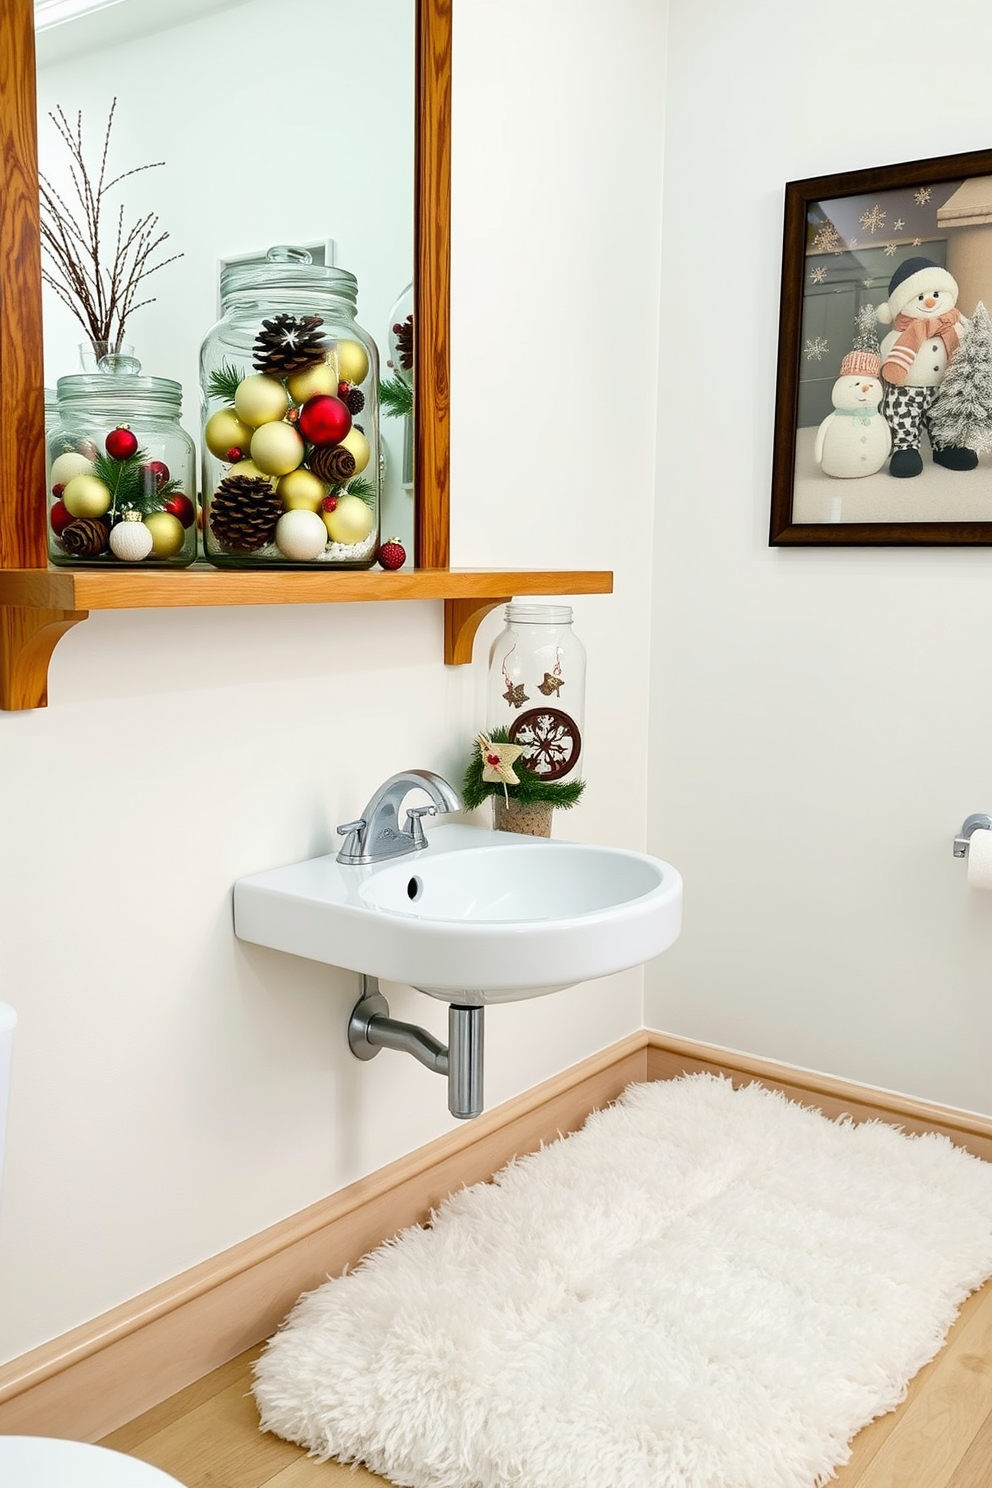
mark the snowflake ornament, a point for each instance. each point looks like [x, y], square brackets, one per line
[827, 240]
[815, 349]
[873, 220]
[922, 196]
[818, 276]
[550, 741]
[898, 225]
[890, 249]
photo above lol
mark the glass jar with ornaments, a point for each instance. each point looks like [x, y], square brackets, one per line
[121, 473]
[536, 688]
[289, 386]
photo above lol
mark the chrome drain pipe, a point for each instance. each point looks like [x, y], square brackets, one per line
[370, 1028]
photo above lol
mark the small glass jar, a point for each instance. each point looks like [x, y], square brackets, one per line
[536, 688]
[289, 392]
[119, 459]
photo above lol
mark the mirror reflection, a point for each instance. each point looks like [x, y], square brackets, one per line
[272, 126]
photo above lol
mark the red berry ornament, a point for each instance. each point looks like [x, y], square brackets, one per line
[330, 503]
[120, 443]
[180, 506]
[57, 490]
[392, 554]
[60, 516]
[324, 419]
[234, 454]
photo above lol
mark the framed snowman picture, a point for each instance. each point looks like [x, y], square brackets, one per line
[883, 416]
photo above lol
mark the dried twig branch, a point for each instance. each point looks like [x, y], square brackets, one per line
[100, 294]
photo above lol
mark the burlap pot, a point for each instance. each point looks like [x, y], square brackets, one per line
[511, 816]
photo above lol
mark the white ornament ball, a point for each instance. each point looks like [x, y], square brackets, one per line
[301, 535]
[71, 464]
[320, 378]
[353, 362]
[86, 496]
[131, 541]
[350, 522]
[260, 400]
[277, 448]
[301, 488]
[224, 431]
[356, 442]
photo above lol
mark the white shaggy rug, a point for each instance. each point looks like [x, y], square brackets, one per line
[704, 1288]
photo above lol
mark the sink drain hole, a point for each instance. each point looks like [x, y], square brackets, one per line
[414, 889]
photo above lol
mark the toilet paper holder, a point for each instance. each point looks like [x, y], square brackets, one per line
[977, 822]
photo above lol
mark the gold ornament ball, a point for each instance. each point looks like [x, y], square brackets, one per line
[351, 521]
[277, 448]
[168, 534]
[225, 431]
[353, 362]
[260, 400]
[249, 468]
[66, 467]
[301, 535]
[320, 378]
[86, 496]
[358, 445]
[300, 490]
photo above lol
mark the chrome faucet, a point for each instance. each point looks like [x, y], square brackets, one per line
[377, 833]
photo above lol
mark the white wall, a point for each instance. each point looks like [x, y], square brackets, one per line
[175, 1090]
[820, 719]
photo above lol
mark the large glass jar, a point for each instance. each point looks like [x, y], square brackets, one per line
[121, 473]
[536, 688]
[289, 389]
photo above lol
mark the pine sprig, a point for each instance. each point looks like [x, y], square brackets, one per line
[225, 381]
[396, 397]
[530, 790]
[127, 483]
[359, 486]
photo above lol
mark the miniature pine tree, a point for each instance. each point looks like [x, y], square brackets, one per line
[865, 334]
[962, 413]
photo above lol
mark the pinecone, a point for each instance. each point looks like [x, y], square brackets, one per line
[286, 345]
[243, 513]
[85, 538]
[354, 399]
[332, 463]
[404, 343]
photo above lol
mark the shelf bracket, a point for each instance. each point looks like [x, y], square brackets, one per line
[28, 636]
[462, 618]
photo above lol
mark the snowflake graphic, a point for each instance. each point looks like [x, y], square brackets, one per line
[898, 225]
[818, 276]
[890, 248]
[922, 196]
[917, 242]
[827, 239]
[866, 283]
[873, 220]
[814, 349]
[852, 242]
[550, 741]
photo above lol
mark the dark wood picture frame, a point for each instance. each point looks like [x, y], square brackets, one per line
[939, 209]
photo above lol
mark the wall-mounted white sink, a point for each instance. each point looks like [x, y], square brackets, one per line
[475, 917]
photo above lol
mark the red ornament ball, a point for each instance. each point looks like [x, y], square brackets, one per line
[234, 453]
[392, 554]
[120, 443]
[180, 506]
[156, 474]
[60, 516]
[330, 503]
[324, 419]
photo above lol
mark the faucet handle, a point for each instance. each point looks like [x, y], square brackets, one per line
[413, 816]
[352, 831]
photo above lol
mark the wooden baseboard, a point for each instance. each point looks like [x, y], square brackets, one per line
[103, 1374]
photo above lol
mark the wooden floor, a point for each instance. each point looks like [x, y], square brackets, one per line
[940, 1437]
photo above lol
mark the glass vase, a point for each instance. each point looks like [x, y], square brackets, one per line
[536, 688]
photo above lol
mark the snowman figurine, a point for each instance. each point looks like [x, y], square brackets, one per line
[927, 330]
[854, 439]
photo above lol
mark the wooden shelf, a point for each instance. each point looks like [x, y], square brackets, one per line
[38, 605]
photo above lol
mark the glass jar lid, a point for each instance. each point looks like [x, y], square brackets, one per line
[286, 268]
[160, 395]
